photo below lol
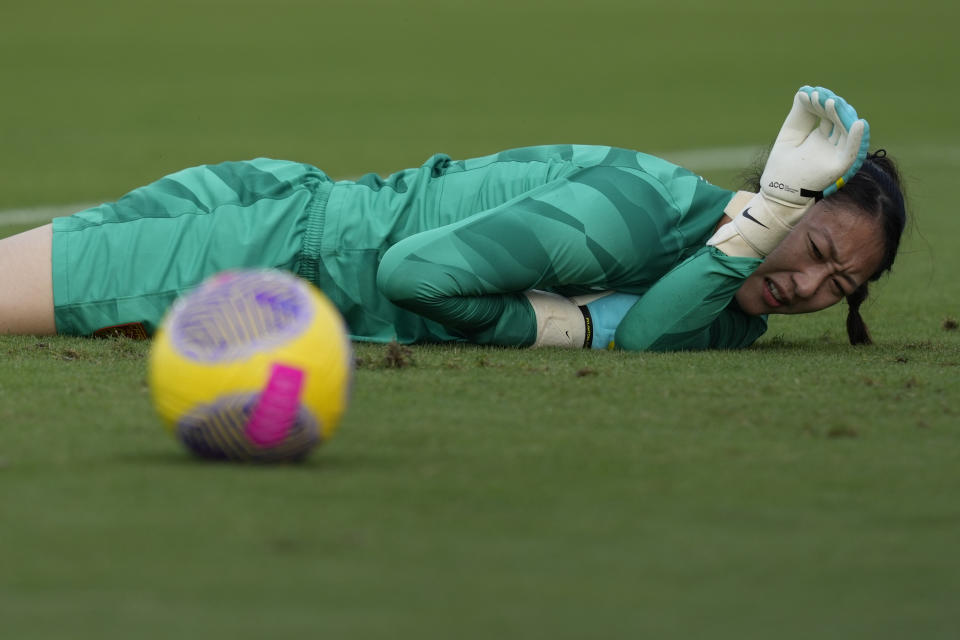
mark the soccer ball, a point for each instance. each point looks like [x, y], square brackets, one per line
[252, 365]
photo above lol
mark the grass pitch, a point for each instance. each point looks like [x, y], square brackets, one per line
[801, 488]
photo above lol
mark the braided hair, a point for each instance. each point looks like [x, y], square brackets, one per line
[877, 191]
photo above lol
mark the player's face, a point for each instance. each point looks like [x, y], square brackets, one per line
[831, 252]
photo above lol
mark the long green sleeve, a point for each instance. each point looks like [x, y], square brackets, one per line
[620, 224]
[691, 307]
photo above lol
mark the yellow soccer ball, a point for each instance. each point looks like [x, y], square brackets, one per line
[251, 365]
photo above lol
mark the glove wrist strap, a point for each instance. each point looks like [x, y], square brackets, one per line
[758, 227]
[738, 203]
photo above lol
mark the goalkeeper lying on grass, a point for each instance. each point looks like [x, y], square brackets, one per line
[509, 249]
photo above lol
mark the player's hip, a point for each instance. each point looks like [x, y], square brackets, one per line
[124, 263]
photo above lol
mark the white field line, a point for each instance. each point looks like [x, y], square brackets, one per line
[40, 215]
[709, 159]
[713, 159]
[944, 154]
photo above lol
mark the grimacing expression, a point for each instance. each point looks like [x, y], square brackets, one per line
[831, 252]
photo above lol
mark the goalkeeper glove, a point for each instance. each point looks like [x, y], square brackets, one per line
[820, 147]
[588, 321]
[602, 314]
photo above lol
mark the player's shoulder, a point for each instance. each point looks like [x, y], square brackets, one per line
[630, 159]
[617, 162]
[628, 164]
[582, 155]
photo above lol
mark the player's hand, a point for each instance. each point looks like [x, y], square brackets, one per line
[604, 311]
[821, 145]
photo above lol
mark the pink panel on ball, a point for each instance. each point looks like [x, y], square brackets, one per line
[276, 410]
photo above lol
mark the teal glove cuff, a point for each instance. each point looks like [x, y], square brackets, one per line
[603, 316]
[848, 116]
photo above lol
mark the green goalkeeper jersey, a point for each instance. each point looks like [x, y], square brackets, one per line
[445, 251]
[438, 253]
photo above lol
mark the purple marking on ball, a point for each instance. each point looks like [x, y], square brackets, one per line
[218, 431]
[276, 410]
[236, 314]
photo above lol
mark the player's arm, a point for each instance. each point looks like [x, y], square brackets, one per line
[690, 308]
[474, 276]
[684, 310]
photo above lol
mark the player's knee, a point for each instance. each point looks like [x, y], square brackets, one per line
[407, 281]
[396, 277]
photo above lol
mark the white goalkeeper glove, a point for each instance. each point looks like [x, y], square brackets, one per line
[588, 321]
[821, 145]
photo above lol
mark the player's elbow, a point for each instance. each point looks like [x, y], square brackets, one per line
[632, 338]
[661, 341]
[629, 341]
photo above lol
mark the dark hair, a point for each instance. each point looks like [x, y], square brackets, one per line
[877, 191]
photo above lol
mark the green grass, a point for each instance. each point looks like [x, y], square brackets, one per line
[479, 492]
[801, 488]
